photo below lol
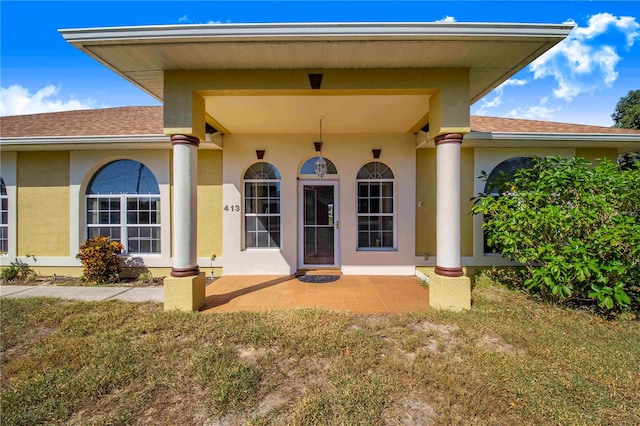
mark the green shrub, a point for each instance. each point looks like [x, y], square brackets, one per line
[574, 227]
[145, 277]
[101, 261]
[17, 270]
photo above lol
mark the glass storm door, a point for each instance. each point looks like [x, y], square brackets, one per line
[319, 224]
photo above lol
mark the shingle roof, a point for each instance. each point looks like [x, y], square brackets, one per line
[148, 120]
[516, 125]
[142, 120]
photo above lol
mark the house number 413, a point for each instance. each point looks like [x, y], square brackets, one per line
[231, 208]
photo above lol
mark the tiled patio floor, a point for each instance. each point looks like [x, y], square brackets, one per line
[358, 294]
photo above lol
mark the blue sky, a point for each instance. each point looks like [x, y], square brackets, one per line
[580, 81]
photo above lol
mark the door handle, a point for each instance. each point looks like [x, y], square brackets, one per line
[337, 224]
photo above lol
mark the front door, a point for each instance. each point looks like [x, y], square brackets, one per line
[319, 224]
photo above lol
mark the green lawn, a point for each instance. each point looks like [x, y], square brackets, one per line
[509, 360]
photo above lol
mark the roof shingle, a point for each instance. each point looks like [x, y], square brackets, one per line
[148, 120]
[516, 125]
[140, 120]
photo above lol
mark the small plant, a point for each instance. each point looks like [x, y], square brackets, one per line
[101, 261]
[145, 277]
[17, 270]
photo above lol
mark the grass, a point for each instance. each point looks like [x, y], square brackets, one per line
[509, 360]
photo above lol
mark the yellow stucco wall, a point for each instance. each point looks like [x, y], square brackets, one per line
[591, 154]
[426, 192]
[43, 203]
[209, 203]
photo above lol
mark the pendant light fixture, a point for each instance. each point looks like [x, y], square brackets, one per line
[321, 164]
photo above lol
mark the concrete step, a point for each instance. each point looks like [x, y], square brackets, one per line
[318, 271]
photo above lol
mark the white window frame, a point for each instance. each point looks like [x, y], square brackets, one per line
[4, 225]
[124, 225]
[393, 215]
[246, 215]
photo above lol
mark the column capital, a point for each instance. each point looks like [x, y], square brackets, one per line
[448, 138]
[185, 140]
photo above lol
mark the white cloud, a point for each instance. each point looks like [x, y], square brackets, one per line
[537, 112]
[600, 24]
[183, 19]
[497, 100]
[18, 100]
[447, 19]
[584, 62]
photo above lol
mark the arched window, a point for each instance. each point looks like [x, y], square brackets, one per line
[309, 167]
[376, 212]
[4, 219]
[123, 202]
[501, 173]
[505, 171]
[262, 206]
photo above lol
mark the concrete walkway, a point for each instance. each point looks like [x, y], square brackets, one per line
[129, 294]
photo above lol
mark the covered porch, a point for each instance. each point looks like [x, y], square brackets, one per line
[360, 294]
[255, 93]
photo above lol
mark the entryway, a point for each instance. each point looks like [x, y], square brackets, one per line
[318, 234]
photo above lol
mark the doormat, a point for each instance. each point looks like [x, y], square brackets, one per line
[318, 279]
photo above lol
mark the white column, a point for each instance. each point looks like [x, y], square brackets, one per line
[448, 205]
[185, 180]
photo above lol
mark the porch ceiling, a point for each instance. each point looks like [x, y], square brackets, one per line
[300, 114]
[492, 52]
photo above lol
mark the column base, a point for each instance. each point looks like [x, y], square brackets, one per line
[184, 293]
[451, 293]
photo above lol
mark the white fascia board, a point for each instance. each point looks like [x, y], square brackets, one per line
[625, 142]
[550, 137]
[320, 31]
[622, 142]
[84, 140]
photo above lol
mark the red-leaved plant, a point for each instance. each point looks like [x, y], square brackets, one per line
[101, 261]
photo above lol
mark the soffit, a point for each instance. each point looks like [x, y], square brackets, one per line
[493, 52]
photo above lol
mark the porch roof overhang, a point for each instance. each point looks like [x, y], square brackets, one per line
[491, 52]
[622, 142]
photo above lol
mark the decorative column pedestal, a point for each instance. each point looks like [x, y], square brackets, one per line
[448, 287]
[452, 293]
[185, 289]
[184, 293]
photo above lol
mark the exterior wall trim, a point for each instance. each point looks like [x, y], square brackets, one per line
[84, 140]
[323, 31]
[9, 171]
[554, 137]
[150, 261]
[84, 164]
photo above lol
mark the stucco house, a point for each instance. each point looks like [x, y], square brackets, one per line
[282, 147]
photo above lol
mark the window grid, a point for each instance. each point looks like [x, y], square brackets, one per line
[4, 224]
[262, 213]
[376, 212]
[136, 225]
